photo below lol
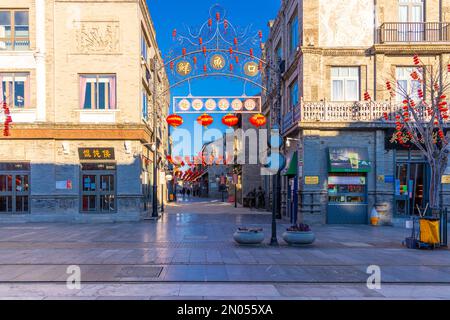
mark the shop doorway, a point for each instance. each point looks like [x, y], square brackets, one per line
[411, 187]
[14, 187]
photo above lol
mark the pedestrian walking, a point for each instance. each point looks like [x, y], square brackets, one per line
[188, 193]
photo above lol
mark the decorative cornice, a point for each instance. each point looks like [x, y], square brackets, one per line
[79, 132]
[408, 49]
[335, 51]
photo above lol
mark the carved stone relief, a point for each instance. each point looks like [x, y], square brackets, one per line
[98, 37]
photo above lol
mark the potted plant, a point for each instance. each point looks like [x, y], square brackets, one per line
[299, 234]
[249, 235]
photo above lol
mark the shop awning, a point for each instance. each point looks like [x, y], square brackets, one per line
[292, 169]
[348, 160]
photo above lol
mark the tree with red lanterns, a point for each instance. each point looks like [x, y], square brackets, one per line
[423, 118]
[8, 120]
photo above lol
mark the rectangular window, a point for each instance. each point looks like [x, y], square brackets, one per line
[408, 87]
[15, 89]
[14, 30]
[279, 52]
[144, 46]
[98, 92]
[293, 95]
[293, 32]
[345, 84]
[144, 104]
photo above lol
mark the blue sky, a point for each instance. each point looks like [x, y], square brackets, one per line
[175, 14]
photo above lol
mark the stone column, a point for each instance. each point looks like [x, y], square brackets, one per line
[40, 61]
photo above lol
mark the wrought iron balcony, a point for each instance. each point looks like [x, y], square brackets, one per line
[414, 32]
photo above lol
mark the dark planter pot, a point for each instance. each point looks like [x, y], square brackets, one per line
[248, 237]
[299, 237]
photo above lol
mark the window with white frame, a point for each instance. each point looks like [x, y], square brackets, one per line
[293, 34]
[98, 92]
[407, 86]
[345, 83]
[15, 89]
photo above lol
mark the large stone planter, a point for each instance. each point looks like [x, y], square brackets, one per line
[299, 237]
[248, 237]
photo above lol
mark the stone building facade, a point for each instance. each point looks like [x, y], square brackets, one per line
[80, 79]
[333, 52]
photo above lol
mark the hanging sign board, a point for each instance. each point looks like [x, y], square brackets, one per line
[446, 179]
[216, 104]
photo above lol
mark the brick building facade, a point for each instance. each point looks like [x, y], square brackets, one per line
[334, 52]
[79, 79]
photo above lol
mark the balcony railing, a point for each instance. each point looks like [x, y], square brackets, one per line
[359, 111]
[414, 32]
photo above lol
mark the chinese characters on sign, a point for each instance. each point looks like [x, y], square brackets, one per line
[96, 153]
[242, 104]
[184, 68]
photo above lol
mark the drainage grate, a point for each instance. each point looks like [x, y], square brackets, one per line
[139, 272]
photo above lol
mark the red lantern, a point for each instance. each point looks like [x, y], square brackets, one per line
[195, 60]
[235, 40]
[448, 68]
[205, 68]
[231, 50]
[174, 33]
[416, 59]
[420, 93]
[230, 120]
[258, 120]
[366, 96]
[209, 22]
[231, 67]
[205, 120]
[236, 58]
[183, 51]
[218, 16]
[171, 65]
[204, 51]
[225, 25]
[200, 41]
[388, 85]
[174, 120]
[260, 34]
[251, 52]
[260, 66]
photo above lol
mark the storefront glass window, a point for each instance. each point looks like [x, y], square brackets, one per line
[98, 188]
[14, 188]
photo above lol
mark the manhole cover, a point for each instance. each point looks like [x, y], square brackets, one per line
[140, 272]
[195, 237]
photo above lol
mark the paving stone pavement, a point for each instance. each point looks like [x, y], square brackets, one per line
[197, 247]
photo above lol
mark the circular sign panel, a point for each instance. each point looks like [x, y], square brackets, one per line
[236, 104]
[210, 104]
[184, 105]
[224, 104]
[197, 104]
[217, 62]
[184, 68]
[251, 69]
[250, 104]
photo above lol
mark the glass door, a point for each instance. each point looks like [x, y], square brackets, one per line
[411, 185]
[411, 18]
[98, 188]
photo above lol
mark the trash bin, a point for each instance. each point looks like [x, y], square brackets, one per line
[384, 213]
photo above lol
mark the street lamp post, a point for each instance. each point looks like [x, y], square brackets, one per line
[276, 120]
